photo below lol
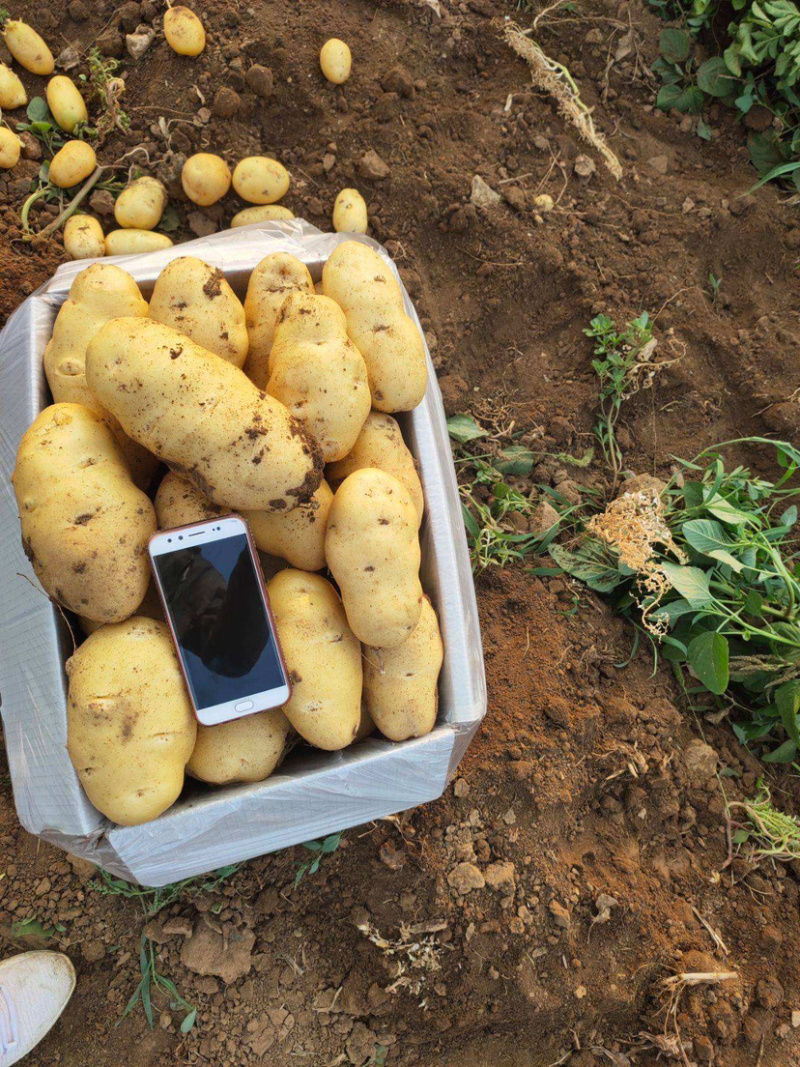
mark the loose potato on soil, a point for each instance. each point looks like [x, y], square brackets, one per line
[194, 298]
[273, 279]
[400, 684]
[141, 205]
[28, 48]
[380, 444]
[362, 284]
[262, 213]
[350, 212]
[243, 750]
[84, 523]
[65, 102]
[184, 31]
[318, 373]
[202, 416]
[12, 91]
[10, 148]
[205, 178]
[130, 725]
[335, 60]
[133, 242]
[83, 237]
[323, 657]
[260, 180]
[72, 164]
[373, 552]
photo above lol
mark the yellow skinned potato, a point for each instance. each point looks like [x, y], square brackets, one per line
[262, 213]
[194, 298]
[12, 91]
[366, 726]
[65, 102]
[323, 657]
[10, 148]
[28, 48]
[318, 373]
[400, 684]
[130, 724]
[205, 178]
[97, 295]
[243, 750]
[380, 444]
[83, 237]
[260, 180]
[72, 164]
[363, 285]
[350, 212]
[373, 552]
[336, 60]
[202, 417]
[184, 31]
[84, 523]
[150, 608]
[141, 205]
[272, 280]
[133, 242]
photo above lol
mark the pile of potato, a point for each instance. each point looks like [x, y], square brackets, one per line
[280, 408]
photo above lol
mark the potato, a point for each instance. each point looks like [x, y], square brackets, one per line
[243, 750]
[141, 205]
[97, 295]
[65, 102]
[184, 31]
[297, 536]
[194, 298]
[130, 724]
[12, 91]
[335, 60]
[263, 213]
[28, 48]
[350, 212]
[134, 242]
[84, 523]
[202, 416]
[373, 552]
[273, 279]
[72, 164]
[400, 684]
[318, 373]
[260, 180]
[150, 608]
[83, 237]
[380, 444]
[323, 657]
[205, 178]
[10, 148]
[363, 285]
[366, 726]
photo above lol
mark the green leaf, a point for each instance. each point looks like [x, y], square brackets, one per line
[784, 753]
[714, 78]
[766, 151]
[690, 582]
[672, 611]
[776, 172]
[709, 658]
[675, 45]
[331, 843]
[589, 565]
[515, 460]
[470, 523]
[753, 602]
[709, 538]
[689, 99]
[170, 220]
[38, 111]
[787, 701]
[189, 1021]
[732, 60]
[463, 428]
[723, 509]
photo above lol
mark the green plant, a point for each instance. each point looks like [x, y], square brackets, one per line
[318, 850]
[33, 927]
[152, 981]
[154, 898]
[108, 88]
[714, 286]
[768, 832]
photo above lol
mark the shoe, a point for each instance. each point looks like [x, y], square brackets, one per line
[34, 990]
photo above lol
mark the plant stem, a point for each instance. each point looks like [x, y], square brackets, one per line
[70, 209]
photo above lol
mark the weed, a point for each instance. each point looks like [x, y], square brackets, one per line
[154, 898]
[318, 850]
[152, 980]
[42, 125]
[768, 832]
[33, 927]
[714, 285]
[108, 88]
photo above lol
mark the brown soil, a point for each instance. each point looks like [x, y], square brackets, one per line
[586, 778]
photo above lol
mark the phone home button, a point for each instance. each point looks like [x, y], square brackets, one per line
[244, 705]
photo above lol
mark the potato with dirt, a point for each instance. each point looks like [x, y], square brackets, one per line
[336, 61]
[323, 657]
[134, 242]
[10, 148]
[194, 298]
[205, 178]
[141, 204]
[380, 445]
[363, 285]
[372, 549]
[272, 280]
[66, 103]
[12, 91]
[85, 525]
[318, 373]
[400, 684]
[350, 212]
[130, 724]
[243, 750]
[184, 31]
[202, 417]
[72, 164]
[260, 180]
[150, 608]
[83, 237]
[262, 213]
[28, 48]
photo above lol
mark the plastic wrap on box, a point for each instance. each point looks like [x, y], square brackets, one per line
[313, 793]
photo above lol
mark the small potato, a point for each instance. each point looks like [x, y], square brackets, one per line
[205, 178]
[243, 750]
[363, 285]
[83, 237]
[400, 684]
[66, 103]
[130, 724]
[274, 278]
[12, 91]
[350, 212]
[132, 242]
[178, 502]
[263, 213]
[10, 148]
[28, 48]
[184, 31]
[380, 444]
[323, 657]
[260, 180]
[373, 552]
[84, 523]
[72, 164]
[193, 297]
[141, 205]
[335, 60]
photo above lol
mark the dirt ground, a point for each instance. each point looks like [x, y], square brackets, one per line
[588, 781]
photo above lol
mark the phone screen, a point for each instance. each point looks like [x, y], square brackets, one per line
[214, 599]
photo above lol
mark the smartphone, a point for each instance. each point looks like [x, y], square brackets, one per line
[212, 588]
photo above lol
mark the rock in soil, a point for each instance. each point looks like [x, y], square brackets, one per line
[209, 951]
